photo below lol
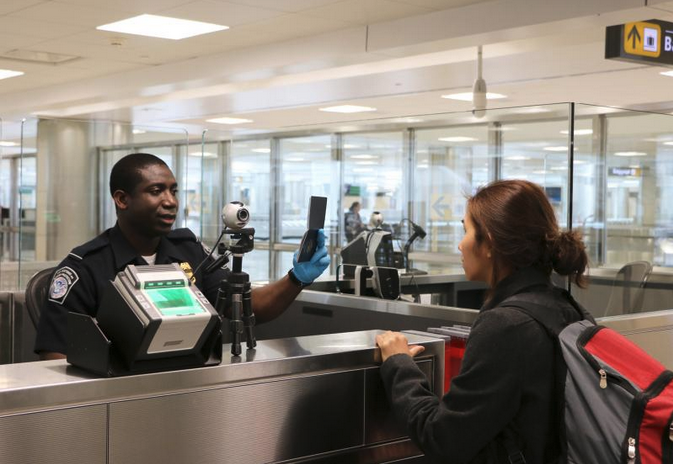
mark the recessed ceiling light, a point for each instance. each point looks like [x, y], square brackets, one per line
[4, 143]
[229, 120]
[564, 148]
[162, 27]
[36, 56]
[517, 158]
[261, 150]
[7, 73]
[457, 138]
[347, 109]
[667, 73]
[630, 153]
[467, 96]
[579, 132]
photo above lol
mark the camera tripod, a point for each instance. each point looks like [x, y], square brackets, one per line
[235, 293]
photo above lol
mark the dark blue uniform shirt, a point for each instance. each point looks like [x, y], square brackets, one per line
[78, 282]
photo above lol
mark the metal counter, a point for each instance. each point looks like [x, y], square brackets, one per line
[306, 399]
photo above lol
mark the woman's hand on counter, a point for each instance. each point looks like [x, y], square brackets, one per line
[392, 343]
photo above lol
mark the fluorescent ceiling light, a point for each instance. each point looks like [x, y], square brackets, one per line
[138, 131]
[364, 156]
[261, 150]
[205, 154]
[4, 143]
[297, 159]
[409, 120]
[667, 73]
[579, 132]
[457, 138]
[467, 96]
[559, 168]
[229, 120]
[542, 171]
[668, 143]
[630, 153]
[366, 162]
[347, 109]
[564, 148]
[580, 161]
[363, 170]
[7, 73]
[517, 158]
[533, 110]
[162, 27]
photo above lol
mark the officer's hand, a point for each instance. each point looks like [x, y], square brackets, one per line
[308, 271]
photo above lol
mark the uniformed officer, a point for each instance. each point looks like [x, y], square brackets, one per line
[144, 191]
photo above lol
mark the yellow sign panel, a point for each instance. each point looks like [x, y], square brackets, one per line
[642, 39]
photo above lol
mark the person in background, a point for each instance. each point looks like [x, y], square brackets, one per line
[144, 191]
[504, 395]
[353, 221]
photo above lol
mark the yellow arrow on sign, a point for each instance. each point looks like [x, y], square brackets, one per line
[642, 39]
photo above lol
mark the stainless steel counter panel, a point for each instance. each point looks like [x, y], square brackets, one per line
[287, 400]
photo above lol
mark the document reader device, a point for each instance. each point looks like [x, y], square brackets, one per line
[151, 318]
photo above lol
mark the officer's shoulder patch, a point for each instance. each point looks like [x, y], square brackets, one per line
[181, 234]
[89, 247]
[63, 281]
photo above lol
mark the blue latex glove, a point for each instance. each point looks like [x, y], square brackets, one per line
[310, 270]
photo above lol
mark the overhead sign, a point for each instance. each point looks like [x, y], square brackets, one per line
[625, 172]
[642, 42]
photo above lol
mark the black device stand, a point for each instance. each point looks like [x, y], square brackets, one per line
[235, 292]
[90, 349]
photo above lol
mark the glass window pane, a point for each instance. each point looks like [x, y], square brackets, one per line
[307, 168]
[374, 177]
[250, 182]
[200, 191]
[450, 163]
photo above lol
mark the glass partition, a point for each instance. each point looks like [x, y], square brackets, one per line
[622, 183]
[250, 182]
[62, 172]
[416, 169]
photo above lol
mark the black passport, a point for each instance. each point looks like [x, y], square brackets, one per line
[317, 207]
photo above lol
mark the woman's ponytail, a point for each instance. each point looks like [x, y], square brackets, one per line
[569, 257]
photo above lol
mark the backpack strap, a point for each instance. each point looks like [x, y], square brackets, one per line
[514, 454]
[536, 306]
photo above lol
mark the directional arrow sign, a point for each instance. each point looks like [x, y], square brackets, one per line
[634, 35]
[440, 210]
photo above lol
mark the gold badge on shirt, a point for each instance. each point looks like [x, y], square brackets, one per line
[187, 268]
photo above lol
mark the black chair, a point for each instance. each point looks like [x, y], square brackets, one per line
[628, 289]
[36, 292]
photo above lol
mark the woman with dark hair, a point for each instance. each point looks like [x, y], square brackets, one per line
[504, 397]
[353, 221]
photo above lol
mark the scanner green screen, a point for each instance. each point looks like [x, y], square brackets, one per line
[174, 301]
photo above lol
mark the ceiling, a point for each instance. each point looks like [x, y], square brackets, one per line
[282, 60]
